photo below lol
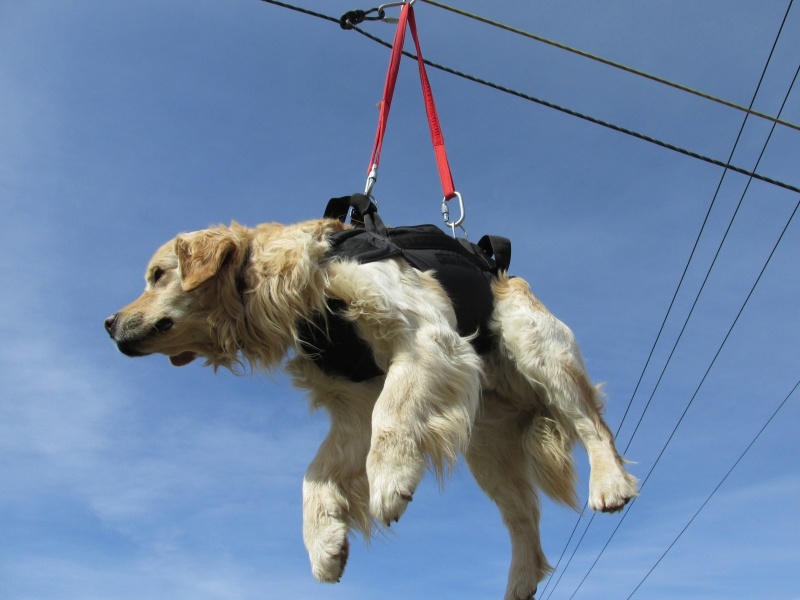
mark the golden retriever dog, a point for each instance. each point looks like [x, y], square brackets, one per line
[243, 297]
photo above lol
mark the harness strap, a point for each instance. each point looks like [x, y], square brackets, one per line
[407, 19]
[465, 271]
[492, 253]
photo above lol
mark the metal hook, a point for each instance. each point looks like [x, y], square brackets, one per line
[383, 7]
[393, 4]
[371, 179]
[458, 222]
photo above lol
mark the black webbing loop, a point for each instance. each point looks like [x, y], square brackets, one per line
[364, 213]
[499, 247]
[351, 18]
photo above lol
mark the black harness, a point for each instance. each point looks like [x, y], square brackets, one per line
[465, 270]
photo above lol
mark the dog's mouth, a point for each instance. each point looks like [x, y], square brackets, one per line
[132, 337]
[184, 358]
[131, 348]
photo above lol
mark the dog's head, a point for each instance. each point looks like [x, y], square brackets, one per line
[183, 284]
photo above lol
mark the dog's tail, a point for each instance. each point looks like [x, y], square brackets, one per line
[549, 446]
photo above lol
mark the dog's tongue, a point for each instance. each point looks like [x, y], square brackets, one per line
[184, 358]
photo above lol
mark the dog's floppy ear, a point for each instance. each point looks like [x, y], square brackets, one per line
[202, 254]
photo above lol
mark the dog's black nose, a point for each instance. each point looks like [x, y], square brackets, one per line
[110, 324]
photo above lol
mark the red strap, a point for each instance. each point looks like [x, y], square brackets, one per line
[407, 18]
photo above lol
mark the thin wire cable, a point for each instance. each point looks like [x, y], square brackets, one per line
[697, 390]
[724, 237]
[305, 11]
[518, 94]
[707, 215]
[561, 557]
[763, 150]
[728, 166]
[619, 524]
[714, 491]
[691, 400]
[571, 556]
[611, 63]
[585, 117]
[674, 296]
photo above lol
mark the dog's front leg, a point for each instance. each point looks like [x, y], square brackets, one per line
[335, 487]
[423, 415]
[433, 376]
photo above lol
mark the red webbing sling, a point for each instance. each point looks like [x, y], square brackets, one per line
[407, 18]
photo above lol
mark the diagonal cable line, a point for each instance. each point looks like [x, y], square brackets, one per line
[711, 266]
[705, 221]
[563, 552]
[574, 550]
[714, 491]
[691, 400]
[585, 117]
[749, 110]
[568, 111]
[727, 166]
[697, 389]
[680, 283]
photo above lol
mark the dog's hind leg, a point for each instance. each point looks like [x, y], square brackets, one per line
[500, 464]
[544, 352]
[335, 487]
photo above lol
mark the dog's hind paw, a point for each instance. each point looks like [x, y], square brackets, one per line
[613, 493]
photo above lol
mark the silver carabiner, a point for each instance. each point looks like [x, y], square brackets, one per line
[383, 7]
[458, 222]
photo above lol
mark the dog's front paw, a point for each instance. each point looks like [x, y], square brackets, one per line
[394, 469]
[521, 595]
[387, 504]
[610, 493]
[324, 533]
[328, 558]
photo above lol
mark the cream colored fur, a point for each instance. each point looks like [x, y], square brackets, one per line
[236, 297]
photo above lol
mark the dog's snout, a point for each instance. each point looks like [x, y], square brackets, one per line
[111, 324]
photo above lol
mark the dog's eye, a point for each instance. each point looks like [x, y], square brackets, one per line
[157, 273]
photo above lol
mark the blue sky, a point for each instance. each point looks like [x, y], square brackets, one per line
[124, 123]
